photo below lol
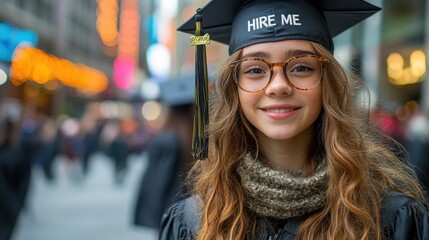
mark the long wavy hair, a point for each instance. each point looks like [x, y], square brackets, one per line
[361, 168]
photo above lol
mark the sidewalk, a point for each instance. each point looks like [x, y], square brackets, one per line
[73, 208]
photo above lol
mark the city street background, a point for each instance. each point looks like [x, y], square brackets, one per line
[83, 78]
[86, 209]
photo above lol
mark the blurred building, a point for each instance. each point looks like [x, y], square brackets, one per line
[389, 51]
[64, 30]
[404, 51]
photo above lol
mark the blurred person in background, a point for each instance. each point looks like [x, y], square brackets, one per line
[49, 145]
[386, 120]
[139, 135]
[391, 129]
[15, 173]
[169, 155]
[72, 147]
[119, 151]
[417, 144]
[92, 128]
[411, 131]
[33, 118]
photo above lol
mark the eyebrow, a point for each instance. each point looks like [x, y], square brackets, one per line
[257, 55]
[290, 53]
[296, 52]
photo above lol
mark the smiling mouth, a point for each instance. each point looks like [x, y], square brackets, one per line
[281, 110]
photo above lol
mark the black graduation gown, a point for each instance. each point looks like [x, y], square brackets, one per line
[402, 219]
[161, 184]
[15, 172]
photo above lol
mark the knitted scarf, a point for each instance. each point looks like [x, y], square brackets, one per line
[282, 194]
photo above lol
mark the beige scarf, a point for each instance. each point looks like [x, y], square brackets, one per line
[282, 194]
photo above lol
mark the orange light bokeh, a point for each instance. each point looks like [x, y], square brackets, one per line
[32, 64]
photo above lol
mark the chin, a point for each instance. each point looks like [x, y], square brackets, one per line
[280, 136]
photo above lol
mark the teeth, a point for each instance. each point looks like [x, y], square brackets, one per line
[283, 110]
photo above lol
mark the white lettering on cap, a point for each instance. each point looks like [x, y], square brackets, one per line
[261, 22]
[269, 21]
[291, 19]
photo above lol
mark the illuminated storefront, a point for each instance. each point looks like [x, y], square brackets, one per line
[404, 51]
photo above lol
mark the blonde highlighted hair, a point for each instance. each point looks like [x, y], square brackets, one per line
[361, 168]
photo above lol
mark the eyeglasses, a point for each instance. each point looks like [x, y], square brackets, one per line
[302, 72]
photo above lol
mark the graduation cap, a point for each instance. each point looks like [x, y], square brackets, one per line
[178, 91]
[240, 23]
[227, 20]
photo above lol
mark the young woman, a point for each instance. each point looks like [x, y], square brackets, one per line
[292, 155]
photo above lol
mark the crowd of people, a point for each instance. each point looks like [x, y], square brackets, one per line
[36, 142]
[408, 125]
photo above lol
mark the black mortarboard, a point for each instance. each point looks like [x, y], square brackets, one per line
[178, 91]
[240, 23]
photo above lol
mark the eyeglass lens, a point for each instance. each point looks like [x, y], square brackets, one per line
[302, 72]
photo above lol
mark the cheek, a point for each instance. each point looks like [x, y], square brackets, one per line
[241, 98]
[247, 103]
[316, 100]
[312, 100]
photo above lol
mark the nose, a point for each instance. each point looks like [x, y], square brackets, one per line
[279, 86]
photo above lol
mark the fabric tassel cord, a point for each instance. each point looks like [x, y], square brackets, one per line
[201, 117]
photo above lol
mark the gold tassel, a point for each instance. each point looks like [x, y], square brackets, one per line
[201, 116]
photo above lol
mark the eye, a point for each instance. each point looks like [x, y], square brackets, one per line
[301, 68]
[254, 70]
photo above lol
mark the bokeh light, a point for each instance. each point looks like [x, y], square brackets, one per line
[32, 64]
[150, 89]
[107, 21]
[159, 61]
[401, 72]
[3, 77]
[151, 110]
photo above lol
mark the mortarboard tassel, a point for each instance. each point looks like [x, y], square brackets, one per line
[201, 116]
